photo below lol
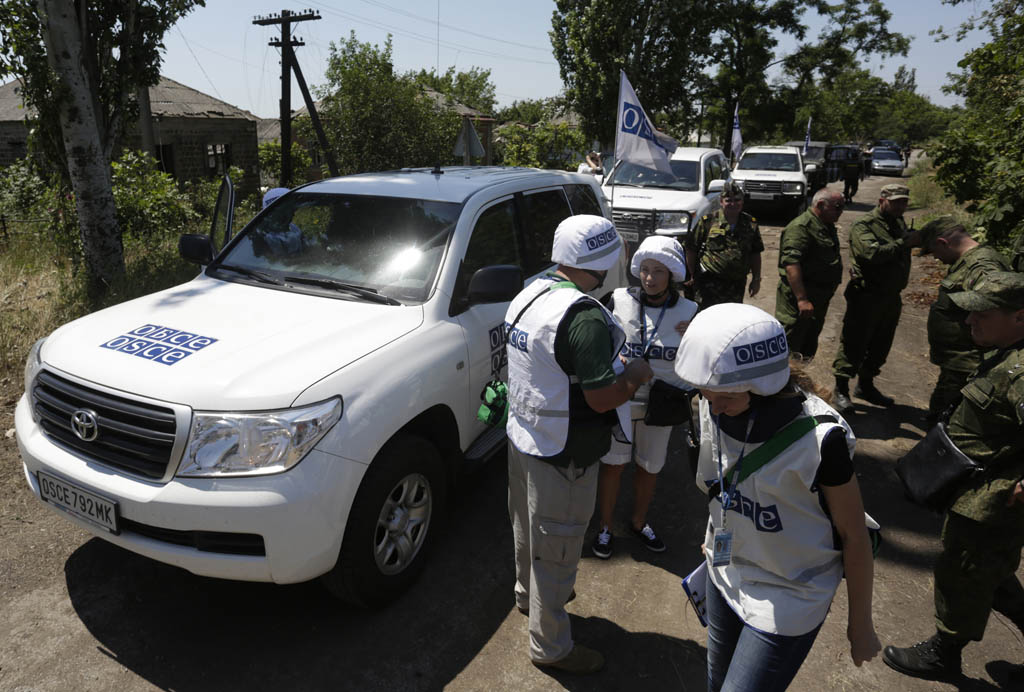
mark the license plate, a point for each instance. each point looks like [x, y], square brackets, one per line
[82, 503]
[761, 195]
[630, 236]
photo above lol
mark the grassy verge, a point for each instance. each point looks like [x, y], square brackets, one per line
[926, 194]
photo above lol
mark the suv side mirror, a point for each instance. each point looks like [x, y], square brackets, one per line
[196, 247]
[716, 186]
[810, 168]
[495, 284]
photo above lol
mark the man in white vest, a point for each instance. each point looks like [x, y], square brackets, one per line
[568, 390]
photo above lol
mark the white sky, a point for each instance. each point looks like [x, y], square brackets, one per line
[217, 50]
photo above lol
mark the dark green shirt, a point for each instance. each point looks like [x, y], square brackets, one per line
[988, 426]
[723, 249]
[878, 251]
[814, 245]
[948, 334]
[583, 348]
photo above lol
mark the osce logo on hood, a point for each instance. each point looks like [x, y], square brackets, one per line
[162, 345]
[760, 350]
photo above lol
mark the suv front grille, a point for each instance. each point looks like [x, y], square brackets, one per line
[641, 222]
[762, 186]
[130, 435]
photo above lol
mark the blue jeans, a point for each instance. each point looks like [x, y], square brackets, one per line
[743, 659]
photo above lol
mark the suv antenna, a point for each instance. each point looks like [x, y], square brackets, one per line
[437, 169]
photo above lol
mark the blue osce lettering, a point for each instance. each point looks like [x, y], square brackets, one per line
[517, 338]
[760, 350]
[159, 344]
[602, 239]
[634, 122]
[765, 518]
[657, 352]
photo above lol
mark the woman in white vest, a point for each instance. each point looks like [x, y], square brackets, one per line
[650, 315]
[777, 462]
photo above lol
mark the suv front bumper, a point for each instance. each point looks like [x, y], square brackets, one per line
[300, 514]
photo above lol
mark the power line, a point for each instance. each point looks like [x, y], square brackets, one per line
[198, 63]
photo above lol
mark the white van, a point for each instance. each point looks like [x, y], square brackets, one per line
[301, 407]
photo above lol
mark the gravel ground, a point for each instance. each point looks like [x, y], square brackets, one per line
[81, 614]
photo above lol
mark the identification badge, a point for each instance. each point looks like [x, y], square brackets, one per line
[722, 554]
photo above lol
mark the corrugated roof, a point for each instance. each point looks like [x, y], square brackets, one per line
[168, 99]
[439, 99]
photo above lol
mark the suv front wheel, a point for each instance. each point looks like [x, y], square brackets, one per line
[389, 526]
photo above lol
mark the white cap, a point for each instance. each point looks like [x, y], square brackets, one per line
[666, 250]
[732, 347]
[586, 241]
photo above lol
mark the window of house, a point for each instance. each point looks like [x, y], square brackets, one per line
[217, 159]
[165, 158]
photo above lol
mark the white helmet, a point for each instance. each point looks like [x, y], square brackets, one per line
[666, 250]
[732, 347]
[586, 241]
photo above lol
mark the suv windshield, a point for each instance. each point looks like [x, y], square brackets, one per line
[769, 161]
[686, 176]
[389, 245]
[886, 154]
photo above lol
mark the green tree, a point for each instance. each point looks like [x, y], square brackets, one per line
[546, 145]
[980, 159]
[269, 154]
[662, 46]
[81, 65]
[473, 88]
[531, 111]
[376, 119]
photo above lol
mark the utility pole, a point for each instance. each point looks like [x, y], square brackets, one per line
[288, 64]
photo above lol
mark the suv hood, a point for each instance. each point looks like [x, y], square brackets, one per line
[218, 345]
[628, 197]
[784, 176]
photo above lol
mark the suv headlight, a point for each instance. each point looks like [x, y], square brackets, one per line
[792, 188]
[252, 444]
[33, 364]
[672, 222]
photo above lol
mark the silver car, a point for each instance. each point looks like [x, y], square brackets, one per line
[886, 162]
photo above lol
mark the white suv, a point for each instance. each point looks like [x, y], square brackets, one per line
[300, 408]
[774, 177]
[648, 202]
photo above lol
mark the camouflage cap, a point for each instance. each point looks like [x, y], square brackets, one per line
[732, 189]
[997, 290]
[936, 228]
[895, 191]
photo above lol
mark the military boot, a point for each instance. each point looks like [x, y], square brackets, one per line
[841, 400]
[937, 658]
[866, 390]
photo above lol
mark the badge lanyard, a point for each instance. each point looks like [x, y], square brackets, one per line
[644, 342]
[722, 554]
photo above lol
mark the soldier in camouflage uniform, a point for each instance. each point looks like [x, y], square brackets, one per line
[810, 270]
[949, 338]
[983, 531]
[723, 249]
[880, 257]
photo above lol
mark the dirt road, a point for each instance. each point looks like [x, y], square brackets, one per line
[79, 614]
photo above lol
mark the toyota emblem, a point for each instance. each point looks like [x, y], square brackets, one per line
[84, 425]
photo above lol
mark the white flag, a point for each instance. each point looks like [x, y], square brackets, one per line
[807, 137]
[737, 138]
[636, 140]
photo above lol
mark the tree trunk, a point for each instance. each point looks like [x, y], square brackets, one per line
[87, 167]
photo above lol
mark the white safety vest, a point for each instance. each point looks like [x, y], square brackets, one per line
[538, 388]
[665, 344]
[784, 569]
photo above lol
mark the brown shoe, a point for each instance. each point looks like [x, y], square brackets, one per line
[580, 661]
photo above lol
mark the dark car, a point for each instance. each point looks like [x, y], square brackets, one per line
[817, 153]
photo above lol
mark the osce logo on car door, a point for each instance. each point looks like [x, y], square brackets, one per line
[163, 345]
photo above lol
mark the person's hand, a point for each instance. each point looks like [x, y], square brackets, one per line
[805, 307]
[638, 371]
[625, 361]
[1016, 495]
[681, 327]
[864, 644]
[755, 285]
[913, 238]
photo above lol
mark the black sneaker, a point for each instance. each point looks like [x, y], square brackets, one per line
[841, 402]
[650, 541]
[867, 391]
[602, 545]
